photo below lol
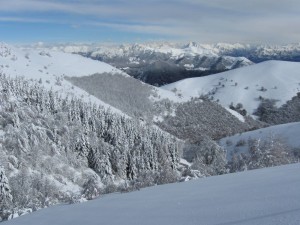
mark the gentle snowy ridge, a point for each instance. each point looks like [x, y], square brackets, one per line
[266, 196]
[272, 79]
[37, 64]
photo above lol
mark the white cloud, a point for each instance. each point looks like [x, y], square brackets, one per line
[199, 20]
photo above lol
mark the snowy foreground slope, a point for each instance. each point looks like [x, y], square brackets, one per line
[266, 196]
[288, 133]
[272, 79]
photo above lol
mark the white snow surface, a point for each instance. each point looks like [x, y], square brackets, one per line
[266, 196]
[280, 79]
[288, 133]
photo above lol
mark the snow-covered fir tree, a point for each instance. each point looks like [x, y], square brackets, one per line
[5, 195]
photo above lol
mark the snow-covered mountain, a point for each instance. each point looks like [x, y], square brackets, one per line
[266, 196]
[160, 63]
[269, 80]
[260, 52]
[163, 63]
[73, 128]
[95, 81]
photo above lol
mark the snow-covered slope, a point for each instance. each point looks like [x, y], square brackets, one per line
[272, 79]
[35, 64]
[288, 133]
[51, 67]
[266, 196]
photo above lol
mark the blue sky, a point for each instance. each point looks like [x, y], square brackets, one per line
[205, 21]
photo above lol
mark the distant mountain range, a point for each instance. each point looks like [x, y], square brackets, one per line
[163, 63]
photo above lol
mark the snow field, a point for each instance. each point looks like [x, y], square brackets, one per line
[266, 196]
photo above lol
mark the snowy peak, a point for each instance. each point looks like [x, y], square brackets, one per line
[192, 45]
